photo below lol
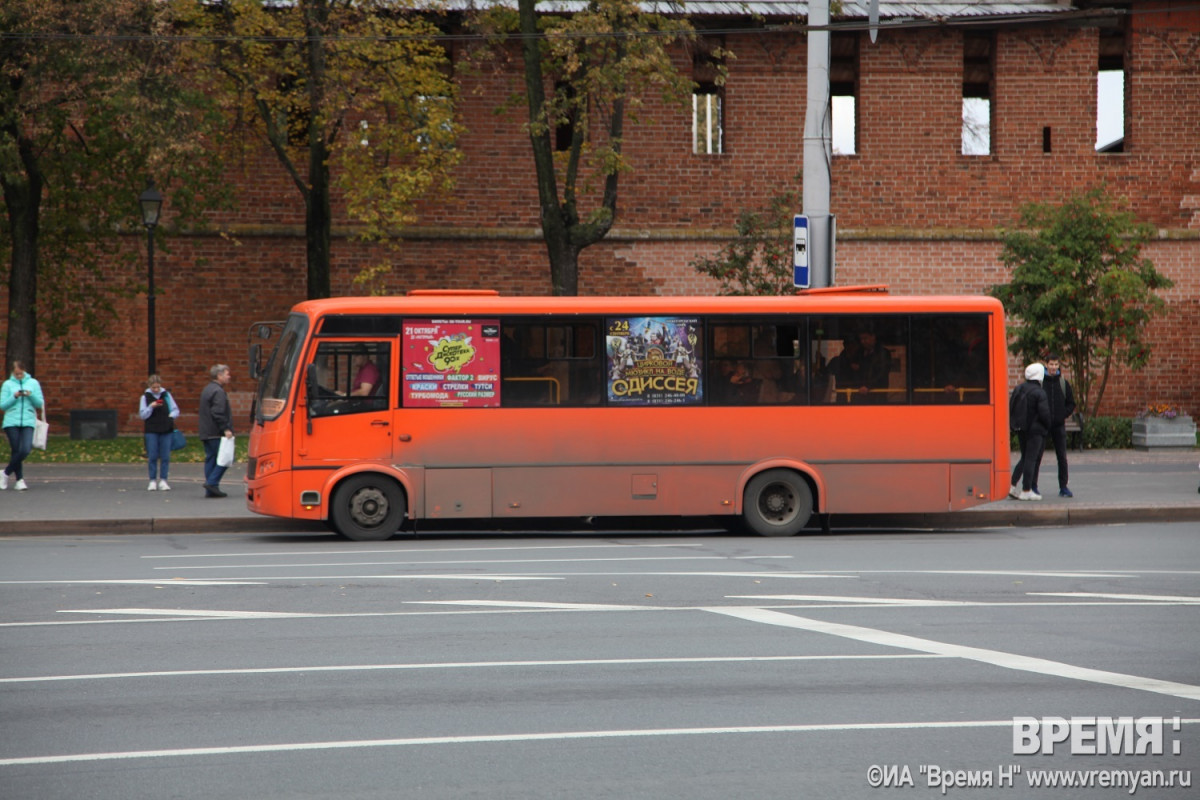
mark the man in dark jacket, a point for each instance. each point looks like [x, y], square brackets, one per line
[216, 423]
[1031, 432]
[1062, 406]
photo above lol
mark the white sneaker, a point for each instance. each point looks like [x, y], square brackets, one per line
[1015, 491]
[1030, 495]
[21, 486]
[153, 485]
[163, 486]
[3, 481]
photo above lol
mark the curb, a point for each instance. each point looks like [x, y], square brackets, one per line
[959, 520]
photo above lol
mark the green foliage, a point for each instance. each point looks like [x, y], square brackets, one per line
[122, 450]
[759, 260]
[584, 73]
[1081, 287]
[1108, 433]
[356, 96]
[90, 105]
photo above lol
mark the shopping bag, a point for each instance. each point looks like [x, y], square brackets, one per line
[41, 432]
[225, 453]
[178, 442]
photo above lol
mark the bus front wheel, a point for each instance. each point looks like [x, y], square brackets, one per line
[778, 502]
[368, 508]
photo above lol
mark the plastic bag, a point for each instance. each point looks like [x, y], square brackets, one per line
[225, 453]
[41, 432]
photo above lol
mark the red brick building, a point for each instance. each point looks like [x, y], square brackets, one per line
[913, 210]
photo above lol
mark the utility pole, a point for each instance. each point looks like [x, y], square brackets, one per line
[818, 149]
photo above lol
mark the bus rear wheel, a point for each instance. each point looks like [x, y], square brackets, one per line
[368, 508]
[778, 502]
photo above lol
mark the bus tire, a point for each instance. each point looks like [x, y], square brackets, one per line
[368, 508]
[777, 502]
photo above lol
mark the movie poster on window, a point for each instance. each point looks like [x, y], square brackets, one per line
[654, 361]
[451, 363]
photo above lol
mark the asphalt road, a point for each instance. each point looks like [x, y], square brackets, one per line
[558, 666]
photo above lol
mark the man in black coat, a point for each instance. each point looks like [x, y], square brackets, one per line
[1062, 406]
[1031, 431]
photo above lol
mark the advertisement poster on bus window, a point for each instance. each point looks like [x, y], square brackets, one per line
[654, 361]
[451, 363]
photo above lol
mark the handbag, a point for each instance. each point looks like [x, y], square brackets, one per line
[225, 452]
[41, 431]
[178, 441]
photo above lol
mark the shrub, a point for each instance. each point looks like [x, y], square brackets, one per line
[1108, 433]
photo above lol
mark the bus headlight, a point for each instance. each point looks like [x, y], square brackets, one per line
[266, 464]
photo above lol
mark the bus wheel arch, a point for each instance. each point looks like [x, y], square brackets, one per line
[368, 507]
[778, 501]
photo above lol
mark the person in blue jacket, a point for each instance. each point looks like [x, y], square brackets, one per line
[20, 398]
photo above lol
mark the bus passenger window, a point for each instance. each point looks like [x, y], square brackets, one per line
[950, 359]
[549, 363]
[860, 359]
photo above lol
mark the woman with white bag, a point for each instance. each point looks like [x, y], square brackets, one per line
[20, 399]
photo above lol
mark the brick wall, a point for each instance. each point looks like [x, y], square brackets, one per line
[911, 211]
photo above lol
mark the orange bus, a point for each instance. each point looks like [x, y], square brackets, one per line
[374, 412]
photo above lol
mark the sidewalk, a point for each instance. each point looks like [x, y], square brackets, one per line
[1110, 486]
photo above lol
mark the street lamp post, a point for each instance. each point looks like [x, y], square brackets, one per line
[151, 200]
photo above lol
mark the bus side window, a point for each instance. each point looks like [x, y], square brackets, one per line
[950, 359]
[352, 377]
[860, 359]
[549, 363]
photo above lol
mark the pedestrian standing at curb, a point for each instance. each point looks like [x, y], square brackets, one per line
[216, 422]
[1062, 406]
[20, 398]
[158, 411]
[1029, 415]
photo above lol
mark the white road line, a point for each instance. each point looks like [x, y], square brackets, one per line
[479, 561]
[597, 662]
[256, 581]
[1164, 598]
[826, 598]
[511, 737]
[148, 582]
[183, 612]
[414, 551]
[995, 657]
[1004, 573]
[533, 604]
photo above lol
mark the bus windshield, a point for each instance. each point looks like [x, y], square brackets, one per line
[276, 382]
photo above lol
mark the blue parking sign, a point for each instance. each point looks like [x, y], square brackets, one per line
[800, 252]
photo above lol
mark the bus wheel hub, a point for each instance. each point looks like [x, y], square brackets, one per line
[369, 507]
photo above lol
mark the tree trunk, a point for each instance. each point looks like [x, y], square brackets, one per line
[22, 199]
[318, 222]
[318, 217]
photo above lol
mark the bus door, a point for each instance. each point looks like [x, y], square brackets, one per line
[348, 400]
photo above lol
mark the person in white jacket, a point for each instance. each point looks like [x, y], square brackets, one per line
[20, 398]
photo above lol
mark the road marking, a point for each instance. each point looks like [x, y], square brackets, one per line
[187, 752]
[183, 612]
[533, 604]
[597, 662]
[410, 551]
[148, 582]
[474, 576]
[540, 608]
[826, 598]
[1003, 573]
[482, 561]
[995, 657]
[1163, 598]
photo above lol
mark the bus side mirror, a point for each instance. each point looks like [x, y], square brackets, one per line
[255, 360]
